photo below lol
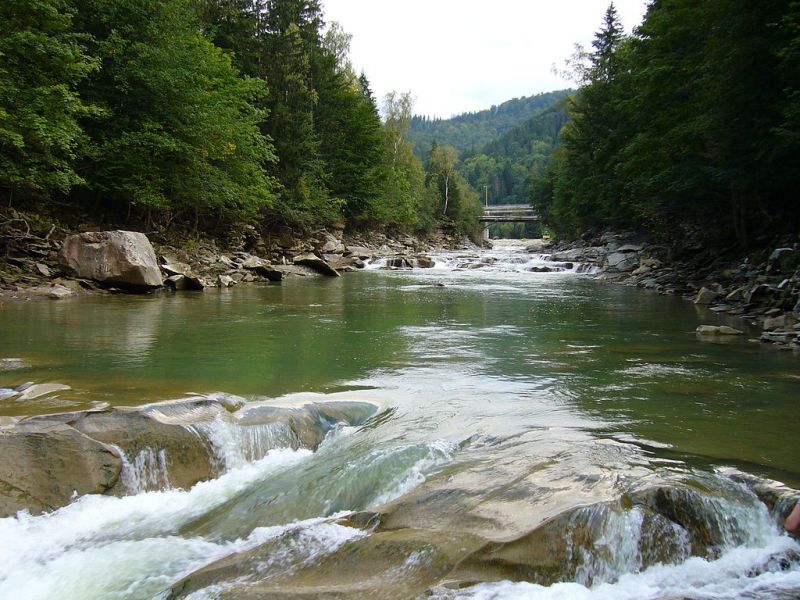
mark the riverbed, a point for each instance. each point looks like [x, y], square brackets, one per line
[517, 414]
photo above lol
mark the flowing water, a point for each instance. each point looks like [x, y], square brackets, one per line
[535, 435]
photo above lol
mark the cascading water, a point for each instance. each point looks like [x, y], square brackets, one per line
[512, 454]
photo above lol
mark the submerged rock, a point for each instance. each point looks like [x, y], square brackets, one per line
[122, 258]
[717, 330]
[32, 391]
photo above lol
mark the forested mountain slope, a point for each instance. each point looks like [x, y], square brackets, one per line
[469, 132]
[503, 170]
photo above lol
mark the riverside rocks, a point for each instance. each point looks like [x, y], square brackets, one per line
[37, 264]
[123, 258]
[762, 290]
[47, 458]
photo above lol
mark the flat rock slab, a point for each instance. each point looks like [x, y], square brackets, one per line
[40, 389]
[122, 258]
[316, 263]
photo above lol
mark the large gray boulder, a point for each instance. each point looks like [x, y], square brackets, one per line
[45, 463]
[123, 258]
[622, 262]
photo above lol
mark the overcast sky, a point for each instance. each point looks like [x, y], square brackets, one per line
[465, 55]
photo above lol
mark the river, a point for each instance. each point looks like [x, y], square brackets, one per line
[536, 435]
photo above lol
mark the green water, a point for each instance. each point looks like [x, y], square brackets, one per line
[626, 360]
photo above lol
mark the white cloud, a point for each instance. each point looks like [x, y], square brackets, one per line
[465, 55]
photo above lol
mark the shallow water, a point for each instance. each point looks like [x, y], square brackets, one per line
[531, 394]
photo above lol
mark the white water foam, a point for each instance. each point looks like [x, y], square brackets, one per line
[106, 547]
[146, 472]
[235, 444]
[763, 572]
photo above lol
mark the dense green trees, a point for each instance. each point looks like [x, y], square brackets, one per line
[469, 133]
[690, 122]
[41, 62]
[200, 111]
[178, 133]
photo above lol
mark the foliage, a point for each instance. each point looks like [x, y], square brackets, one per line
[470, 132]
[179, 133]
[204, 111]
[42, 60]
[504, 168]
[691, 121]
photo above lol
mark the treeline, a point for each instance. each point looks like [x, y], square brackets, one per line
[469, 133]
[205, 112]
[691, 123]
[505, 168]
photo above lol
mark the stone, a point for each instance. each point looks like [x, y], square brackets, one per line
[540, 270]
[123, 258]
[425, 262]
[59, 292]
[261, 267]
[176, 282]
[360, 252]
[621, 262]
[778, 337]
[630, 248]
[327, 243]
[736, 295]
[717, 330]
[783, 260]
[316, 263]
[642, 270]
[759, 293]
[44, 464]
[705, 296]
[30, 392]
[176, 268]
[774, 322]
[225, 281]
[189, 457]
[44, 270]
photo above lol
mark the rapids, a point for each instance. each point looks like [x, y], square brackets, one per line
[537, 434]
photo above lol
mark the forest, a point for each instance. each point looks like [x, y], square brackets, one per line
[689, 126]
[207, 113]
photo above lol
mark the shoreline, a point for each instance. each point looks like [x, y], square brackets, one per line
[763, 293]
[36, 271]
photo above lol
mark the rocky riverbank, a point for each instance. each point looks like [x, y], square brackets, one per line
[759, 290]
[40, 259]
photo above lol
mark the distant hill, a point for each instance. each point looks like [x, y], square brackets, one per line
[470, 132]
[504, 167]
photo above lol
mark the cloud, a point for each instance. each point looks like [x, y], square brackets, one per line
[465, 55]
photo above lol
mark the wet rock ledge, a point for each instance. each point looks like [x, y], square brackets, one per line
[50, 460]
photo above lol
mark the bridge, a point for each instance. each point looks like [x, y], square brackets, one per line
[509, 213]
